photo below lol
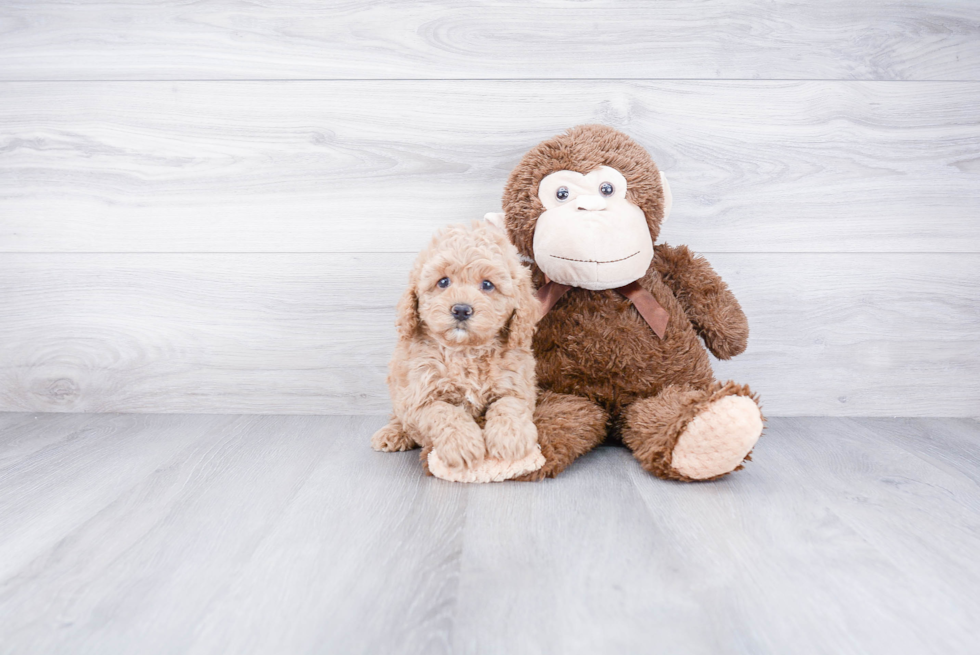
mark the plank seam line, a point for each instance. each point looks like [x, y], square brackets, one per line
[488, 79]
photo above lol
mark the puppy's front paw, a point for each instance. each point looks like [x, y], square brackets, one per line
[510, 436]
[461, 445]
[391, 438]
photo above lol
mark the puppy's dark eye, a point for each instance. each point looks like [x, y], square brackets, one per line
[487, 285]
[606, 189]
[562, 193]
[443, 283]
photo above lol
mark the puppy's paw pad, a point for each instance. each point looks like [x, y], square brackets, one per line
[511, 439]
[461, 447]
[489, 470]
[390, 439]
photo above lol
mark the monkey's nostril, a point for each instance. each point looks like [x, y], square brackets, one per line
[462, 312]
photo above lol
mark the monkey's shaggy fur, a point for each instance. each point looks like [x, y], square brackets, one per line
[466, 388]
[601, 368]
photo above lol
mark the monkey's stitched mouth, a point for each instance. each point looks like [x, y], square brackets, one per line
[595, 261]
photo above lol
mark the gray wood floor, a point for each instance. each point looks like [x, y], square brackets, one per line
[282, 534]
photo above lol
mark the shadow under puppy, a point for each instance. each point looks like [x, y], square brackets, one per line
[462, 377]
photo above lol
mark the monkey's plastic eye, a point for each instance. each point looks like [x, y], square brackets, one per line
[443, 283]
[562, 193]
[606, 189]
[487, 285]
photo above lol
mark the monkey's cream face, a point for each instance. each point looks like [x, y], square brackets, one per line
[590, 235]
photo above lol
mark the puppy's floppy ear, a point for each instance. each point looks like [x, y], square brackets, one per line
[520, 330]
[407, 319]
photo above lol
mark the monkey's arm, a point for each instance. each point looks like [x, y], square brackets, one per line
[707, 300]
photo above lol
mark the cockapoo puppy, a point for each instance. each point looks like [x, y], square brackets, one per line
[462, 375]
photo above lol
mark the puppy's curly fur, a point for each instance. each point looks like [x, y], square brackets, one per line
[464, 387]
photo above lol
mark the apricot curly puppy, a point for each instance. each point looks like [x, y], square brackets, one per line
[462, 375]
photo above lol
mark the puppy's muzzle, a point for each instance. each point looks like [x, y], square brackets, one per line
[462, 312]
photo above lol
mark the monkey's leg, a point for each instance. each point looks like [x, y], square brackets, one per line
[689, 434]
[568, 427]
[424, 458]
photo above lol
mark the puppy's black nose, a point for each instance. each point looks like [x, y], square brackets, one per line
[462, 312]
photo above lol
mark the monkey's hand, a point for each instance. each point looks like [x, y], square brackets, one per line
[706, 299]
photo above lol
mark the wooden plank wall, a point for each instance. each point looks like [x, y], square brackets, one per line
[212, 206]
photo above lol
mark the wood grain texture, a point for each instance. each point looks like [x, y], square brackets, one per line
[747, 565]
[224, 39]
[378, 166]
[204, 534]
[21, 435]
[231, 508]
[832, 334]
[904, 525]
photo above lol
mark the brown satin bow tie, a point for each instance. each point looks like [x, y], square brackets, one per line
[651, 311]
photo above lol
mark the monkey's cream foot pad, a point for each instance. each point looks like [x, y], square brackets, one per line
[489, 470]
[719, 438]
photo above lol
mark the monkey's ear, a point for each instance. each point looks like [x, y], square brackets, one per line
[496, 219]
[668, 196]
[407, 312]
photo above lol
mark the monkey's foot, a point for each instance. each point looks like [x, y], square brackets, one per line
[717, 440]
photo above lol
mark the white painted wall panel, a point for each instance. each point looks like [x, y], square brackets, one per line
[377, 166]
[601, 39]
[211, 206]
[832, 334]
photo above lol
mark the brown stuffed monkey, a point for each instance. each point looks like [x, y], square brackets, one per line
[619, 351]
